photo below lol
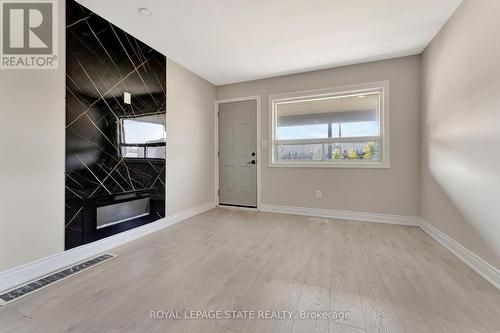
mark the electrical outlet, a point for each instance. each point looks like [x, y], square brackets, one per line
[127, 98]
[319, 194]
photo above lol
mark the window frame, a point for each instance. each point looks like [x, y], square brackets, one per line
[121, 139]
[382, 87]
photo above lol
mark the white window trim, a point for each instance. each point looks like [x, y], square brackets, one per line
[383, 87]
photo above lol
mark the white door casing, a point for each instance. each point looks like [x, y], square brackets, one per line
[237, 143]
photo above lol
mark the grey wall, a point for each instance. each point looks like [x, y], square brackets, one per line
[32, 122]
[388, 191]
[190, 139]
[461, 137]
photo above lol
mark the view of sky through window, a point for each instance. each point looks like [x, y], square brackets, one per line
[141, 132]
[355, 129]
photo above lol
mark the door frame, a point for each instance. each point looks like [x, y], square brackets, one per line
[216, 150]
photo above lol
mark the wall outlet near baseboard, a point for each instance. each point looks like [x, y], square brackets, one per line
[319, 194]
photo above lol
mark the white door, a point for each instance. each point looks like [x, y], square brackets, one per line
[238, 153]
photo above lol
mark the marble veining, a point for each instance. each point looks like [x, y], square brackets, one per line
[103, 62]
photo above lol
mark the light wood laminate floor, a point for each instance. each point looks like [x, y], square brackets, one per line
[391, 278]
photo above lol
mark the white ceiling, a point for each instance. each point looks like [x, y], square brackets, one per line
[227, 41]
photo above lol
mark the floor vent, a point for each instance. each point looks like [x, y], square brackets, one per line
[319, 219]
[31, 287]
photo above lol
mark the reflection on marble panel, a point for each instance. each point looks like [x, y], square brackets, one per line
[115, 151]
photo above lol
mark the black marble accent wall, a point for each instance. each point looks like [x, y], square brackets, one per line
[115, 151]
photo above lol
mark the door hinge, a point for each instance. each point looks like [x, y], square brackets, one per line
[218, 153]
[218, 192]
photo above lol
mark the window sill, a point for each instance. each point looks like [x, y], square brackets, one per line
[332, 165]
[144, 160]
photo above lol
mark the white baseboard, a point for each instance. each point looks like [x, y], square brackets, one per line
[31, 271]
[343, 215]
[484, 269]
[237, 208]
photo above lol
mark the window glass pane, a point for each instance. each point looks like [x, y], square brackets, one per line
[306, 129]
[313, 152]
[133, 152]
[143, 130]
[363, 128]
[155, 152]
[302, 132]
[362, 151]
[328, 117]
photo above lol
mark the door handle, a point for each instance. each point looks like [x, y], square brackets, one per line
[252, 162]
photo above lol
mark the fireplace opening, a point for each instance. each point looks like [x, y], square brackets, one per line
[122, 212]
[108, 215]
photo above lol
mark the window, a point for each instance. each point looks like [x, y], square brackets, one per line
[143, 136]
[331, 128]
